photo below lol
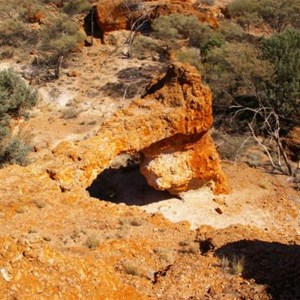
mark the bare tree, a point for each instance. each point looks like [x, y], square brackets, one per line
[136, 23]
[268, 121]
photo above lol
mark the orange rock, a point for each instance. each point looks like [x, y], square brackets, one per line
[115, 15]
[72, 73]
[29, 271]
[183, 165]
[171, 120]
[37, 17]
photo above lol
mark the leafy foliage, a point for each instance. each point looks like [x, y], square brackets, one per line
[191, 56]
[174, 26]
[73, 7]
[144, 46]
[235, 70]
[231, 32]
[205, 38]
[15, 151]
[15, 94]
[15, 97]
[12, 33]
[61, 36]
[278, 14]
[178, 27]
[283, 92]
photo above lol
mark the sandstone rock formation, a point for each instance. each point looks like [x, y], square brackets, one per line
[169, 126]
[120, 14]
[42, 205]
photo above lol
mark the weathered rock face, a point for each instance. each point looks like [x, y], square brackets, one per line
[169, 125]
[183, 163]
[119, 14]
[292, 143]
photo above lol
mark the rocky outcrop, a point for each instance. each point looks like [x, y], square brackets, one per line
[292, 143]
[169, 126]
[120, 14]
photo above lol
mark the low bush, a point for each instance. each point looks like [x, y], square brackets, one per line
[61, 37]
[191, 56]
[178, 27]
[234, 71]
[282, 50]
[143, 47]
[231, 32]
[205, 38]
[14, 151]
[15, 97]
[174, 26]
[207, 2]
[12, 33]
[73, 7]
[277, 14]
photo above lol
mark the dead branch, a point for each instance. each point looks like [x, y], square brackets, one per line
[271, 125]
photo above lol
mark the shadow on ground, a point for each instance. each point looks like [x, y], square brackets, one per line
[274, 264]
[125, 185]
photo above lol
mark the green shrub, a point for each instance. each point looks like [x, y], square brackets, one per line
[283, 92]
[205, 38]
[73, 7]
[278, 14]
[144, 46]
[15, 95]
[12, 33]
[236, 70]
[15, 151]
[231, 31]
[174, 26]
[207, 2]
[191, 56]
[62, 36]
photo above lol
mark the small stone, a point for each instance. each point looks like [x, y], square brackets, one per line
[219, 201]
[219, 210]
[5, 275]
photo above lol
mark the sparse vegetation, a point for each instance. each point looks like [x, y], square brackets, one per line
[277, 14]
[133, 221]
[237, 265]
[224, 263]
[92, 241]
[144, 47]
[189, 247]
[70, 113]
[73, 7]
[165, 254]
[40, 204]
[15, 97]
[131, 269]
[14, 151]
[233, 265]
[191, 56]
[174, 27]
[55, 37]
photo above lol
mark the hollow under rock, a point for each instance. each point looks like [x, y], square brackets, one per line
[125, 185]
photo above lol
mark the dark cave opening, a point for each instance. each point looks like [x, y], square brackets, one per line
[125, 185]
[91, 26]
